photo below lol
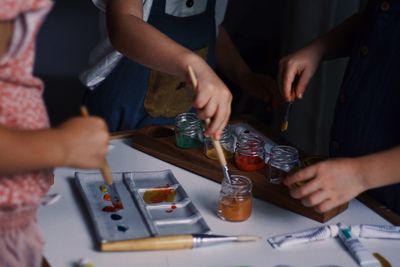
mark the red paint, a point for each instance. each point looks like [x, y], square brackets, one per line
[173, 206]
[107, 197]
[249, 163]
[109, 209]
[118, 205]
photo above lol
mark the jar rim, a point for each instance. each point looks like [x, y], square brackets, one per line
[244, 185]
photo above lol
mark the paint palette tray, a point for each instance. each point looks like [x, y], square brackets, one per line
[155, 204]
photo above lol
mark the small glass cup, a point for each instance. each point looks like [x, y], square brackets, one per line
[188, 131]
[227, 144]
[250, 152]
[282, 159]
[235, 201]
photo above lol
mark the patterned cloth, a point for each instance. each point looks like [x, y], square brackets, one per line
[21, 103]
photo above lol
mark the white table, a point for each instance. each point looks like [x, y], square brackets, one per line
[69, 234]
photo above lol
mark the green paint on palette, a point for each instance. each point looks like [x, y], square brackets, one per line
[116, 217]
[122, 228]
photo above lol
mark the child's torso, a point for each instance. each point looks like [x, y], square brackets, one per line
[21, 103]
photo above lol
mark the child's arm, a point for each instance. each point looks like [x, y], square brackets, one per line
[337, 181]
[79, 142]
[304, 62]
[232, 65]
[143, 43]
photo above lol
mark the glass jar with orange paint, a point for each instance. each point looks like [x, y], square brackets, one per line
[250, 152]
[235, 201]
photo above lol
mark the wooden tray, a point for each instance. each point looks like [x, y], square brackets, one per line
[159, 141]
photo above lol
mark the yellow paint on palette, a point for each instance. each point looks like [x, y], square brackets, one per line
[103, 188]
[159, 194]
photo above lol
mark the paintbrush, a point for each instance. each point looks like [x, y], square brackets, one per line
[173, 242]
[285, 123]
[216, 143]
[107, 176]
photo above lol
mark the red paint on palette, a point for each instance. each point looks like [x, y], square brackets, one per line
[107, 197]
[109, 209]
[118, 205]
[173, 206]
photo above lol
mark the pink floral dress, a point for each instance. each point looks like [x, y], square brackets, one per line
[21, 107]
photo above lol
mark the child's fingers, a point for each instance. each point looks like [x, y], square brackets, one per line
[217, 123]
[306, 189]
[299, 176]
[288, 79]
[302, 83]
[315, 198]
[326, 206]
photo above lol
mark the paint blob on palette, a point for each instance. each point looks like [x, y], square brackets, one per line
[116, 217]
[159, 194]
[122, 228]
[171, 209]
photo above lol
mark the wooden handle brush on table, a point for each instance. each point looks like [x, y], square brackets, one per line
[216, 143]
[173, 242]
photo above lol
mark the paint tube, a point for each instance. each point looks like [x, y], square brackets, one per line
[360, 253]
[307, 236]
[376, 231]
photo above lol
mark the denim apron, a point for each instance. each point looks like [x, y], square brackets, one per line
[368, 107]
[133, 96]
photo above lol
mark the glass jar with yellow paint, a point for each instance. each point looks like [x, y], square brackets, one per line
[227, 143]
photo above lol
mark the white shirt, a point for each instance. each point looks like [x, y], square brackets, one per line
[104, 57]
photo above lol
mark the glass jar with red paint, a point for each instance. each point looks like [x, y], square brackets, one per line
[250, 152]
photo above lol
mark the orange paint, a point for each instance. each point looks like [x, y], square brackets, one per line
[235, 209]
[159, 194]
[107, 197]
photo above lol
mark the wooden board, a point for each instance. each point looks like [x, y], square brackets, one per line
[159, 141]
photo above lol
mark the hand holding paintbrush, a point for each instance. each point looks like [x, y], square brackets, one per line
[285, 123]
[107, 176]
[216, 143]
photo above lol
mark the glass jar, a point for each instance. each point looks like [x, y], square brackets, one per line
[188, 131]
[235, 200]
[250, 152]
[227, 145]
[282, 159]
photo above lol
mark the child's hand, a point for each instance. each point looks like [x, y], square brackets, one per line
[213, 99]
[84, 142]
[303, 64]
[328, 184]
[262, 87]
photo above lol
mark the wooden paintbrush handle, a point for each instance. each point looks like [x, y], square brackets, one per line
[151, 243]
[105, 170]
[218, 148]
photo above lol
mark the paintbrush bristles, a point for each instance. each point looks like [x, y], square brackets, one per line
[247, 238]
[285, 126]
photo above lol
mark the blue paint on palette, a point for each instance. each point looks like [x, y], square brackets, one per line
[122, 228]
[116, 217]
